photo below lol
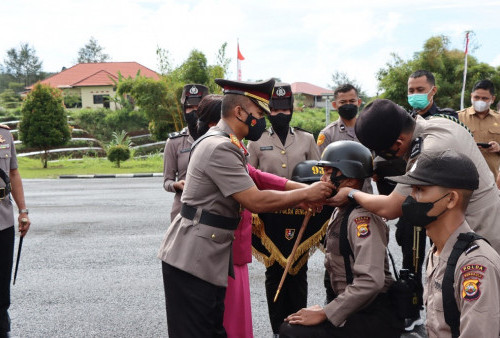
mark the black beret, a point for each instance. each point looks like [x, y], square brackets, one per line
[282, 97]
[259, 92]
[379, 125]
[445, 168]
[192, 94]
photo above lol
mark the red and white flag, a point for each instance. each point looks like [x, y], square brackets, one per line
[239, 59]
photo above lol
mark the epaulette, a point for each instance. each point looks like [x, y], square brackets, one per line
[446, 110]
[177, 134]
[4, 126]
[297, 128]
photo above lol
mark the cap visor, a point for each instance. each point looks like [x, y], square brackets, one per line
[407, 180]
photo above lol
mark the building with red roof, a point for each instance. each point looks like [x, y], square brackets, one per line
[94, 83]
[311, 95]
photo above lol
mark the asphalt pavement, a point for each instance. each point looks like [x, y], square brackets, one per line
[89, 268]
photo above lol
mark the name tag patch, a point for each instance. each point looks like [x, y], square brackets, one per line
[266, 148]
[185, 150]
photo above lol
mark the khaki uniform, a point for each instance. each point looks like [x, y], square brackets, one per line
[439, 133]
[268, 153]
[175, 162]
[368, 237]
[218, 170]
[8, 161]
[477, 290]
[338, 131]
[484, 131]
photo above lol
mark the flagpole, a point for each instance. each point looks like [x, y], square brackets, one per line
[465, 70]
[239, 58]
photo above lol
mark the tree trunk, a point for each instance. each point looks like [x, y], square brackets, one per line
[45, 156]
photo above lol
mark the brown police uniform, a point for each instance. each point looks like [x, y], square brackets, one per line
[439, 133]
[175, 162]
[484, 131]
[476, 288]
[196, 256]
[338, 131]
[362, 308]
[270, 155]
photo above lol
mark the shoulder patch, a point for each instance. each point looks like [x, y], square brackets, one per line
[4, 126]
[234, 140]
[416, 147]
[321, 139]
[472, 267]
[362, 226]
[470, 289]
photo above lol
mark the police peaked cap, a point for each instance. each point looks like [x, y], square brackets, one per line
[379, 125]
[445, 168]
[282, 97]
[192, 94]
[259, 92]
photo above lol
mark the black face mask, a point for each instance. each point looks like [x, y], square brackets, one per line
[336, 180]
[280, 121]
[255, 126]
[348, 111]
[416, 212]
[191, 120]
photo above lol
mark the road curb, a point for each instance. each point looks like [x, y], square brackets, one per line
[112, 175]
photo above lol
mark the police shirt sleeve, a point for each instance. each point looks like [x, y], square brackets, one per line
[13, 157]
[253, 158]
[478, 295]
[366, 237]
[169, 165]
[227, 169]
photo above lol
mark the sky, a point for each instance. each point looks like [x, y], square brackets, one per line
[295, 41]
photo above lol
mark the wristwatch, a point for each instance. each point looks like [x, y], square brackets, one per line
[24, 211]
[350, 195]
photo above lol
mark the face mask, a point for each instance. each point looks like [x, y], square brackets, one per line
[348, 111]
[416, 212]
[280, 121]
[255, 126]
[336, 180]
[480, 106]
[419, 101]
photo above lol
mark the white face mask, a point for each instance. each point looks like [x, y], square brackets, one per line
[480, 106]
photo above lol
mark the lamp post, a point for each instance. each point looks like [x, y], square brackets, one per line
[327, 97]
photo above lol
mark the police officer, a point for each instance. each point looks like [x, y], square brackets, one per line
[390, 131]
[278, 151]
[196, 250]
[355, 258]
[11, 184]
[178, 146]
[463, 271]
[421, 91]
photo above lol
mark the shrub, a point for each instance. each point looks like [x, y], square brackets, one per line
[118, 153]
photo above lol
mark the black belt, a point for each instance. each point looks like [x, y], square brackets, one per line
[218, 221]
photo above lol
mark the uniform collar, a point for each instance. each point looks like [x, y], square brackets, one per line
[223, 126]
[271, 130]
[471, 111]
[450, 242]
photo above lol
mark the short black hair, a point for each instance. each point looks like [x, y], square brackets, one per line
[344, 88]
[486, 85]
[232, 100]
[408, 124]
[428, 75]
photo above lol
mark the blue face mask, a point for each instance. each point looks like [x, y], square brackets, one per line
[419, 101]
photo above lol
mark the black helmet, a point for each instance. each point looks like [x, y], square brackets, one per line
[307, 172]
[353, 159]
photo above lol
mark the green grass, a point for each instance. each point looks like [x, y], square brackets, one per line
[32, 168]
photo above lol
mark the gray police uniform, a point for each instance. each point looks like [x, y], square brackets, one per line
[270, 155]
[338, 131]
[175, 162]
[439, 133]
[476, 289]
[197, 256]
[8, 161]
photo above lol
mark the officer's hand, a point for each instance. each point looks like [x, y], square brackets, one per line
[24, 224]
[312, 315]
[179, 185]
[319, 191]
[340, 199]
[315, 207]
[495, 147]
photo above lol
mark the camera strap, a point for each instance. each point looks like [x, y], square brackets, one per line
[451, 312]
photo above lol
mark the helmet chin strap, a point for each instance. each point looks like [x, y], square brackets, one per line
[336, 180]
